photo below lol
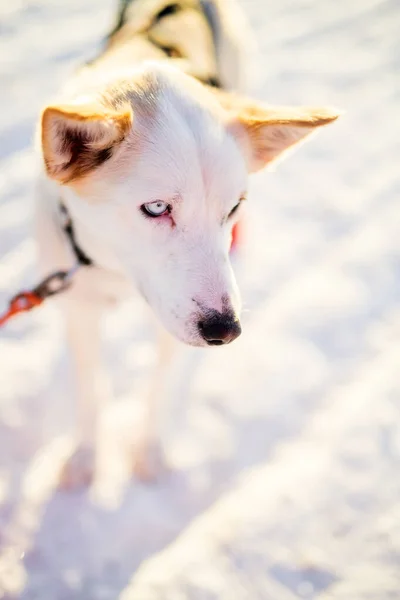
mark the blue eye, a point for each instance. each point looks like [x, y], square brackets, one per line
[156, 208]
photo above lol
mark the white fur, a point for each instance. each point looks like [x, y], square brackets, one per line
[188, 160]
[182, 148]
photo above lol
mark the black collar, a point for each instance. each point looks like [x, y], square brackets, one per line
[68, 228]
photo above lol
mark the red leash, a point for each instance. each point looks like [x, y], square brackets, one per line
[53, 284]
[20, 303]
[25, 301]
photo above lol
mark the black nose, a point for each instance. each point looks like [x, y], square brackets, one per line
[219, 328]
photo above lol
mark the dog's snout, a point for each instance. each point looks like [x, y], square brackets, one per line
[219, 328]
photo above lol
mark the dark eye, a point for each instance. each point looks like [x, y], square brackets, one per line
[156, 208]
[234, 209]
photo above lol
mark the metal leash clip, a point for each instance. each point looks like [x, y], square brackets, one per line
[54, 284]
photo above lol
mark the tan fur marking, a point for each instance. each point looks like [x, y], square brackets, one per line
[76, 139]
[266, 133]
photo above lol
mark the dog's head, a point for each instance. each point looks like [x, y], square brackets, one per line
[156, 167]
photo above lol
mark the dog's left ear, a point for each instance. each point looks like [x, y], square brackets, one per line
[265, 134]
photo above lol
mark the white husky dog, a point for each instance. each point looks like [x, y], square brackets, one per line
[146, 156]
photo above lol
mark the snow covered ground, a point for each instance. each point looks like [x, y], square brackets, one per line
[285, 447]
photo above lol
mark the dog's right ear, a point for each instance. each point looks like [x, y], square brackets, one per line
[78, 138]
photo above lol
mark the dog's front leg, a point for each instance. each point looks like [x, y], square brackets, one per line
[92, 389]
[148, 454]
